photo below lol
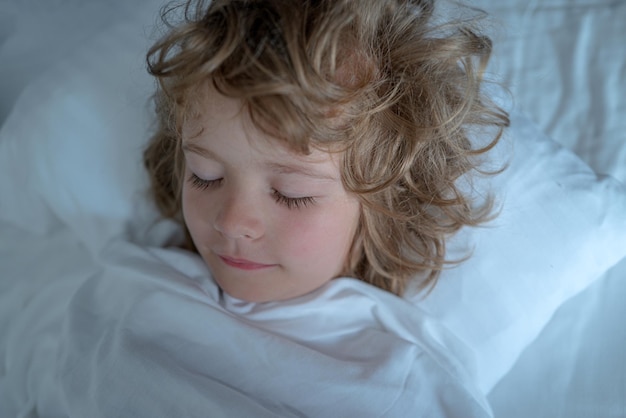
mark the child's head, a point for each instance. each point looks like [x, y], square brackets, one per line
[303, 140]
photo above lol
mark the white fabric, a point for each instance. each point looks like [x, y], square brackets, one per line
[148, 334]
[80, 163]
[576, 368]
[560, 227]
[564, 64]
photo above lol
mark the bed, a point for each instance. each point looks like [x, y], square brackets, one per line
[539, 304]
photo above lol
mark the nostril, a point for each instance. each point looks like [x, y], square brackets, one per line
[239, 221]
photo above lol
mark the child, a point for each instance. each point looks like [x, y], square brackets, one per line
[300, 141]
[304, 141]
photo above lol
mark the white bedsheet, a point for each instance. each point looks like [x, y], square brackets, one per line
[577, 366]
[142, 327]
[565, 63]
[566, 66]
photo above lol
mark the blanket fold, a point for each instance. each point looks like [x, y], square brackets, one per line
[147, 333]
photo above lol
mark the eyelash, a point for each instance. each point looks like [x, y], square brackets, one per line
[201, 184]
[289, 202]
[292, 202]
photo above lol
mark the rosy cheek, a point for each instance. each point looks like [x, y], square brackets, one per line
[297, 232]
[312, 234]
[193, 212]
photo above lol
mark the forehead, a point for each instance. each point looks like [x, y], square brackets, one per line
[300, 123]
[216, 117]
[207, 106]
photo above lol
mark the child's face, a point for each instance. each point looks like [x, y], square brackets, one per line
[271, 224]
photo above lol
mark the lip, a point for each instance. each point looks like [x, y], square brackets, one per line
[243, 264]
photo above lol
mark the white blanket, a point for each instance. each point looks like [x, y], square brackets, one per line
[564, 63]
[147, 333]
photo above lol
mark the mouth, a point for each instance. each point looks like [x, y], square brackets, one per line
[243, 264]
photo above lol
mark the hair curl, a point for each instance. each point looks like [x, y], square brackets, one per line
[377, 79]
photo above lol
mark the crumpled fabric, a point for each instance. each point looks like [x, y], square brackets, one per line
[153, 336]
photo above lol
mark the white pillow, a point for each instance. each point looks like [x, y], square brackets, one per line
[560, 227]
[71, 149]
[70, 154]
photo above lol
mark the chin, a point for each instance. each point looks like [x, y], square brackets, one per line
[249, 295]
[261, 294]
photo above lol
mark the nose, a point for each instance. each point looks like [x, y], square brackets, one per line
[239, 216]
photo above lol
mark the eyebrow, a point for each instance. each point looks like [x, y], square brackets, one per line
[196, 149]
[280, 168]
[301, 170]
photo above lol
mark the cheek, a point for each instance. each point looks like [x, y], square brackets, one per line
[328, 234]
[194, 212]
[187, 205]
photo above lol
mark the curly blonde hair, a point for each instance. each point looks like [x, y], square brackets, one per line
[379, 80]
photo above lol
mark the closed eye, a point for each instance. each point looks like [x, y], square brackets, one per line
[292, 202]
[289, 202]
[202, 184]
